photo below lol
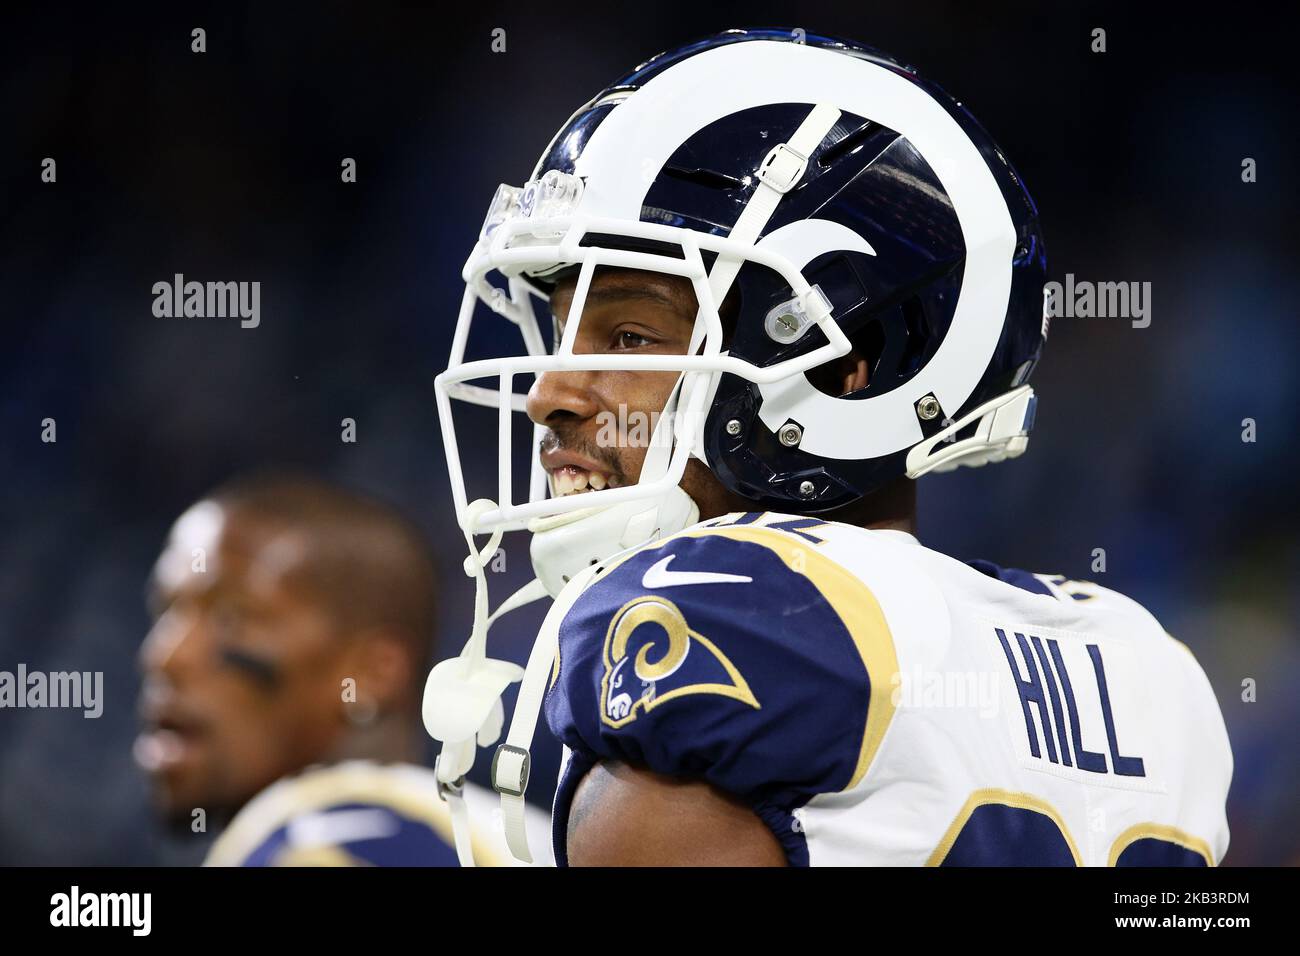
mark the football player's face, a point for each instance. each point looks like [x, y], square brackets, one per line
[599, 423]
[242, 670]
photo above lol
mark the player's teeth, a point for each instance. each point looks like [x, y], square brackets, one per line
[596, 481]
[580, 481]
[563, 483]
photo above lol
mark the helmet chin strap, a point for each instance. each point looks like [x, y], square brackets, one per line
[562, 547]
[462, 695]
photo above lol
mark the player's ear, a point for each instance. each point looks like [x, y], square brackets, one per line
[854, 373]
[381, 666]
[842, 376]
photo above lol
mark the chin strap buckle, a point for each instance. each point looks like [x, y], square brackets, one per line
[782, 168]
[448, 788]
[510, 770]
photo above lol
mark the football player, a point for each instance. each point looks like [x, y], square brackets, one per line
[293, 624]
[789, 277]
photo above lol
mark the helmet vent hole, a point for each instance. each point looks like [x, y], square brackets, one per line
[846, 144]
[917, 332]
[708, 178]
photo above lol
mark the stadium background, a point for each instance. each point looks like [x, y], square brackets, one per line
[226, 166]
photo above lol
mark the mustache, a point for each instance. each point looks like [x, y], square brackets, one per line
[567, 438]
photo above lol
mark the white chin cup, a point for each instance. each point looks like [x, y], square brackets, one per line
[565, 544]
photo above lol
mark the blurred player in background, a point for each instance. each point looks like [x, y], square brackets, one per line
[282, 678]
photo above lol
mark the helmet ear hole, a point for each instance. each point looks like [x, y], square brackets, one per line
[893, 345]
[868, 346]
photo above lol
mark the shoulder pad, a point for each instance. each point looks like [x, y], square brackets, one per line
[741, 655]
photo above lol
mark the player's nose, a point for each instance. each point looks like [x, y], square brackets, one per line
[563, 395]
[172, 647]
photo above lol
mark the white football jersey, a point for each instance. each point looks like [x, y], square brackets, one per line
[879, 703]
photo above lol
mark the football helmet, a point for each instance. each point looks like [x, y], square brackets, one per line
[845, 204]
[851, 203]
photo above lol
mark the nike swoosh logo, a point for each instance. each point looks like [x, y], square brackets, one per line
[658, 576]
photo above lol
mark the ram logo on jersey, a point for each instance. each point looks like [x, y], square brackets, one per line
[633, 682]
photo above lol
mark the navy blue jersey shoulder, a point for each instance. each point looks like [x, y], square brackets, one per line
[380, 836]
[711, 656]
[1013, 576]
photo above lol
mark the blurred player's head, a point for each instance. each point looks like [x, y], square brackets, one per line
[293, 624]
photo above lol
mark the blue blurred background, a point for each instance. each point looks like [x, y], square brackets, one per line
[226, 166]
